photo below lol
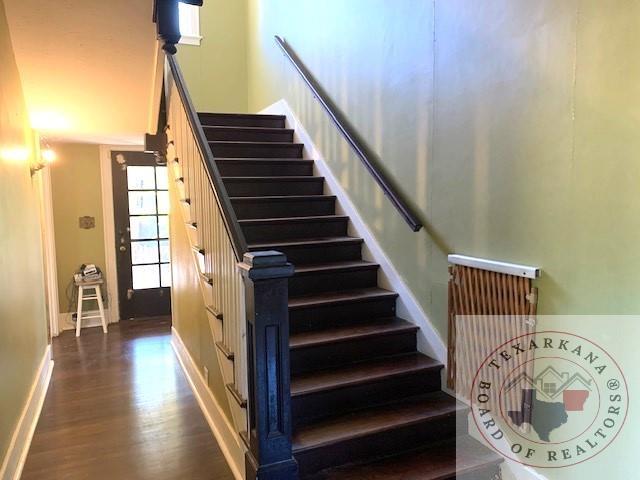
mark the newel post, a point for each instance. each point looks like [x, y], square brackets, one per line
[270, 455]
[167, 20]
[165, 16]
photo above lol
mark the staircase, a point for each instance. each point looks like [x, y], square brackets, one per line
[365, 403]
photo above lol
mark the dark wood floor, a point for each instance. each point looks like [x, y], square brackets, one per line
[119, 407]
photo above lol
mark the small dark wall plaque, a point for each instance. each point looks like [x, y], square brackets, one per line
[87, 222]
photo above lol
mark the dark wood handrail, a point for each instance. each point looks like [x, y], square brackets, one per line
[219, 190]
[365, 154]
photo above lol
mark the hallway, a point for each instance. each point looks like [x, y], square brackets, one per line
[120, 407]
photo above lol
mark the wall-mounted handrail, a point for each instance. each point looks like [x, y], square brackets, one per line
[222, 198]
[365, 154]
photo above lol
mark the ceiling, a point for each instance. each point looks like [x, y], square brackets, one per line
[87, 66]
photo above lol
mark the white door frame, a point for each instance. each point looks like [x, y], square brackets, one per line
[49, 251]
[110, 253]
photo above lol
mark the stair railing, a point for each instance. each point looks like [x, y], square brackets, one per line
[248, 291]
[367, 156]
[220, 241]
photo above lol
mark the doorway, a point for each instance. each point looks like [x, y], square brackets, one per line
[141, 220]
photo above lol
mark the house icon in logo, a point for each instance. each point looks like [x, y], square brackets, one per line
[550, 384]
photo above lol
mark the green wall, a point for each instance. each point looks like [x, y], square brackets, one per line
[22, 298]
[512, 125]
[75, 186]
[216, 70]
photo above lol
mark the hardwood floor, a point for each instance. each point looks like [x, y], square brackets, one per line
[119, 407]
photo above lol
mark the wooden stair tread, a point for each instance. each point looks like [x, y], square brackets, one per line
[246, 128]
[284, 161]
[347, 296]
[343, 266]
[244, 115]
[282, 178]
[261, 144]
[278, 220]
[210, 119]
[358, 373]
[283, 198]
[463, 455]
[304, 242]
[373, 420]
[383, 326]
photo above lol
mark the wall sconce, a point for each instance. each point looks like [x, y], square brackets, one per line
[47, 156]
[14, 154]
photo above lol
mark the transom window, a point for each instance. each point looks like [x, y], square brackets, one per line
[189, 17]
[149, 226]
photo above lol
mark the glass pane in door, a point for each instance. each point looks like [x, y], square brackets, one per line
[141, 178]
[145, 276]
[163, 202]
[163, 226]
[142, 203]
[162, 179]
[165, 274]
[143, 228]
[164, 250]
[144, 252]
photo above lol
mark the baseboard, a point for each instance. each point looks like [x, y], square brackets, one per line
[65, 321]
[223, 431]
[21, 440]
[407, 307]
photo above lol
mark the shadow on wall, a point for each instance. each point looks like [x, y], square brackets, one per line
[510, 124]
[382, 218]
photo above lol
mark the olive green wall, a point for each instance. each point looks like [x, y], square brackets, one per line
[22, 300]
[512, 125]
[188, 311]
[216, 70]
[76, 192]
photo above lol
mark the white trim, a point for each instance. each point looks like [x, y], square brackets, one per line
[495, 266]
[190, 40]
[156, 90]
[429, 342]
[189, 22]
[49, 251]
[66, 319]
[224, 433]
[13, 462]
[108, 221]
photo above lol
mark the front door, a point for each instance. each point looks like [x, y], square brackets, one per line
[141, 208]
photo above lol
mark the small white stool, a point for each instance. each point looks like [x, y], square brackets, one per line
[97, 295]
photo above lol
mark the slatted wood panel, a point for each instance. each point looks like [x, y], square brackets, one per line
[486, 309]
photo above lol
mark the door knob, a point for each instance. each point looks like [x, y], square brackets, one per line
[123, 248]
